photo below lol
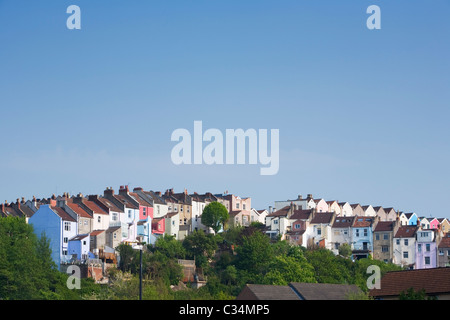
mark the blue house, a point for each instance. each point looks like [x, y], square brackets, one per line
[79, 246]
[58, 226]
[362, 237]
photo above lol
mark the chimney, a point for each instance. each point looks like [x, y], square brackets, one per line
[18, 204]
[108, 192]
[123, 190]
[185, 191]
[299, 197]
[158, 193]
[310, 196]
[78, 198]
[137, 189]
[23, 200]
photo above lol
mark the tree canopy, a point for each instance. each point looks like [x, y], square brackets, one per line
[214, 216]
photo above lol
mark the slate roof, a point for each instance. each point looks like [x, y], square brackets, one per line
[298, 291]
[63, 214]
[324, 291]
[434, 281]
[110, 204]
[267, 292]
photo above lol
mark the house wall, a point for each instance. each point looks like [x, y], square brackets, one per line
[383, 239]
[322, 206]
[400, 247]
[361, 235]
[47, 221]
[346, 210]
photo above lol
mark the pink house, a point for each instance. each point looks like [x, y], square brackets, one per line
[158, 226]
[434, 223]
[145, 208]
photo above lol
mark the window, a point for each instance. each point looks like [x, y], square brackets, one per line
[115, 235]
[66, 239]
[275, 222]
[365, 232]
[129, 213]
[385, 236]
[319, 231]
[441, 252]
[65, 252]
[427, 260]
[67, 226]
[84, 242]
[144, 211]
[237, 205]
[384, 249]
[357, 232]
[181, 209]
[406, 242]
[243, 206]
[428, 247]
[99, 219]
[419, 247]
[114, 216]
[405, 254]
[297, 226]
[397, 241]
[377, 237]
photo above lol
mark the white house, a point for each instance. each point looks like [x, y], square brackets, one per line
[405, 246]
[300, 202]
[346, 209]
[341, 232]
[258, 215]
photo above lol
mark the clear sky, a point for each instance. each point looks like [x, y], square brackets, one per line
[363, 114]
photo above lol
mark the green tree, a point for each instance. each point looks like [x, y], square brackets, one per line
[255, 253]
[215, 215]
[201, 247]
[345, 250]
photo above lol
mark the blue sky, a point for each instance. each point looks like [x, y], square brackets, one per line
[363, 114]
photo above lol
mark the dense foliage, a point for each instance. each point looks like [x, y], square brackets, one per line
[229, 260]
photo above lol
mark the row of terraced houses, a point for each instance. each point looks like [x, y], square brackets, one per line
[83, 228]
[386, 234]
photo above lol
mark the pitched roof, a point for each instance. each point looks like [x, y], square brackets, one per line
[324, 291]
[343, 222]
[445, 241]
[322, 217]
[109, 204]
[298, 291]
[62, 214]
[280, 213]
[94, 207]
[433, 281]
[406, 232]
[125, 201]
[267, 292]
[78, 210]
[384, 226]
[363, 222]
[301, 214]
